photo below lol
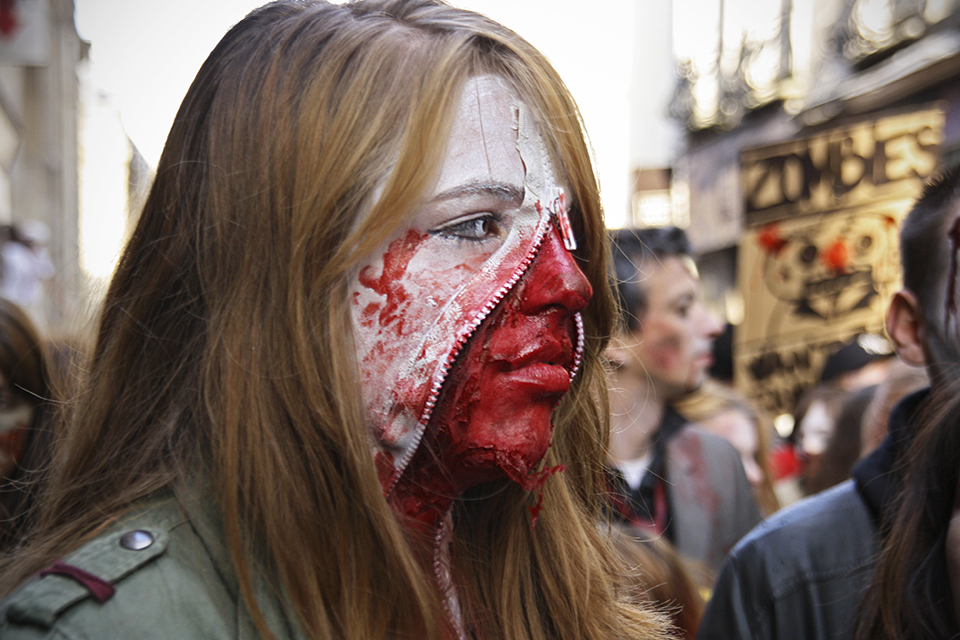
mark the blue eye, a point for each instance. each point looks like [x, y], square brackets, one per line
[473, 230]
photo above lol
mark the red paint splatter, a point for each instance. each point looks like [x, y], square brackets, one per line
[9, 21]
[836, 257]
[770, 239]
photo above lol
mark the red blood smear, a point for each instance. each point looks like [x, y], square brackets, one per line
[390, 283]
[954, 236]
[493, 418]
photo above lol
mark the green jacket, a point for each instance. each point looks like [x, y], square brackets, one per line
[173, 579]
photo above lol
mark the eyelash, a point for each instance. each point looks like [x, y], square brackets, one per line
[465, 231]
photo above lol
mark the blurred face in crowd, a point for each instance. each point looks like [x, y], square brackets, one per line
[942, 338]
[467, 320]
[672, 348]
[739, 429]
[816, 429]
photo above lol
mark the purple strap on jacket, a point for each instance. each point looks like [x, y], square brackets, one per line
[99, 588]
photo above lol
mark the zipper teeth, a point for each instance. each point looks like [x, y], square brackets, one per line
[578, 354]
[478, 318]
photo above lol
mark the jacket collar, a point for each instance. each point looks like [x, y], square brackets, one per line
[877, 477]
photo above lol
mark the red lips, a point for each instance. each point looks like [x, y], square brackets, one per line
[551, 351]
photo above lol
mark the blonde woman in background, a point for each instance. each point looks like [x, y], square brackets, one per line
[725, 412]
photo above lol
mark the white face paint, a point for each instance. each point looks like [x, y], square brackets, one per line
[816, 429]
[419, 297]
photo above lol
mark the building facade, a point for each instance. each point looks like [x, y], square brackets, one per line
[806, 140]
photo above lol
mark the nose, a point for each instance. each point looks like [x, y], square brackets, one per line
[710, 324]
[554, 279]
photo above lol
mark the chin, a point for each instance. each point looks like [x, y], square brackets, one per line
[511, 448]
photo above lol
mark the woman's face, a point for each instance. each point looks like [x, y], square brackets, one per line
[466, 319]
[816, 429]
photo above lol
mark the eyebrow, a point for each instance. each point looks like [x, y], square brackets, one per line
[502, 190]
[682, 298]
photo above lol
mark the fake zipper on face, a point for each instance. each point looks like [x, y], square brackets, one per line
[556, 215]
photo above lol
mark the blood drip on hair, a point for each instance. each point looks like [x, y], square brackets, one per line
[951, 308]
[534, 482]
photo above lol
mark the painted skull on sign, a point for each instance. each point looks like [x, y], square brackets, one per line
[466, 321]
[829, 266]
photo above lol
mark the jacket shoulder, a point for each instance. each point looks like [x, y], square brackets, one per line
[831, 526]
[799, 574]
[145, 576]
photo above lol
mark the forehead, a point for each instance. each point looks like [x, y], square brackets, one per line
[484, 138]
[668, 279]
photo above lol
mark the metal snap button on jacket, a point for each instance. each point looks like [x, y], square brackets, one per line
[136, 540]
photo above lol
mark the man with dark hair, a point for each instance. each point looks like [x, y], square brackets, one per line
[669, 479]
[803, 572]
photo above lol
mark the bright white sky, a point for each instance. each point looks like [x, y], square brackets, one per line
[145, 53]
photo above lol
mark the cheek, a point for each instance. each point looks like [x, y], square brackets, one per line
[666, 348]
[395, 301]
[381, 300]
[952, 551]
[407, 289]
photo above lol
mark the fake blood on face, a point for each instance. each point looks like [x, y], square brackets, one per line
[493, 417]
[390, 283]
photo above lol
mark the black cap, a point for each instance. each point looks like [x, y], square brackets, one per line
[856, 354]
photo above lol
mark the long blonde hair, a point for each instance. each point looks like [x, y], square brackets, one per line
[225, 346]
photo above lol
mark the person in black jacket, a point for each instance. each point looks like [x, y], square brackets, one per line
[803, 572]
[918, 568]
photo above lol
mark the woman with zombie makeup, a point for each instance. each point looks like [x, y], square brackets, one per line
[25, 420]
[347, 379]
